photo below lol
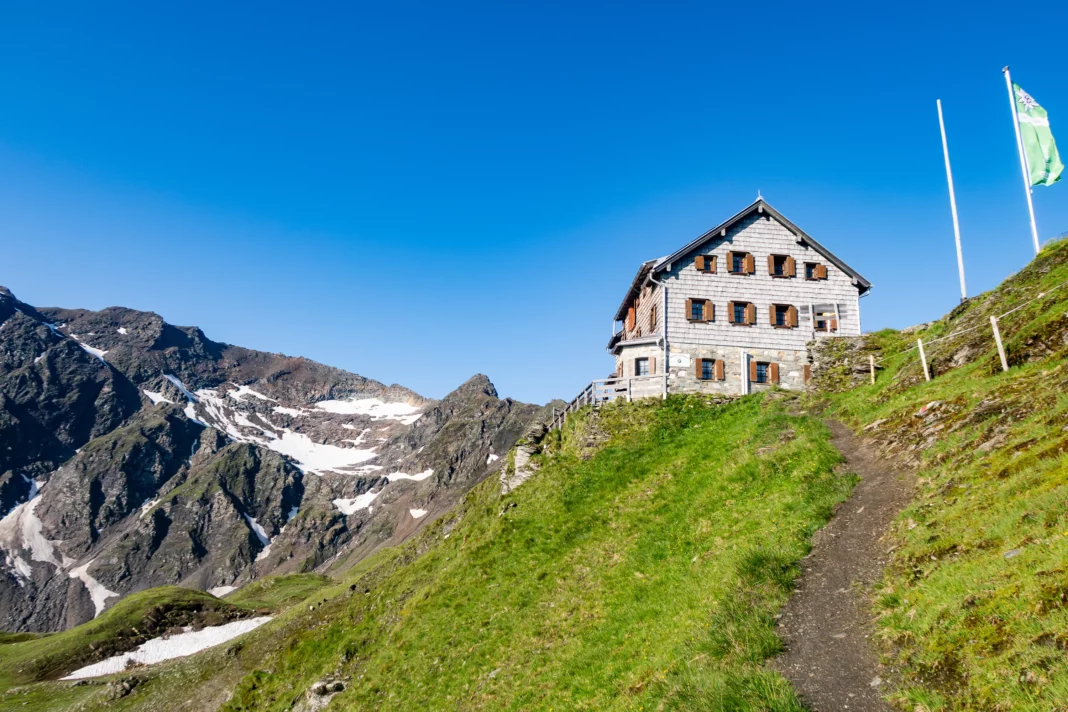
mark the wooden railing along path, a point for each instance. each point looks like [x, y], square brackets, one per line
[606, 390]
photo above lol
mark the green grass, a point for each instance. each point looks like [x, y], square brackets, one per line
[278, 592]
[25, 659]
[966, 627]
[646, 577]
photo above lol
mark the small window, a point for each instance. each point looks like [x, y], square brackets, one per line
[708, 369]
[741, 312]
[778, 265]
[641, 367]
[781, 313]
[738, 262]
[810, 270]
[652, 318]
[697, 310]
[762, 372]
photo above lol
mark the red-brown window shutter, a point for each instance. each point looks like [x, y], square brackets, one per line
[719, 369]
[774, 368]
[699, 263]
[771, 264]
[834, 325]
[791, 267]
[712, 265]
[750, 264]
[697, 367]
[710, 310]
[752, 371]
[730, 261]
[750, 314]
[730, 312]
[652, 365]
[791, 316]
[630, 319]
[689, 310]
[821, 271]
[808, 373]
[771, 315]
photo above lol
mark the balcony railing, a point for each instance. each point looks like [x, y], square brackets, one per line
[606, 390]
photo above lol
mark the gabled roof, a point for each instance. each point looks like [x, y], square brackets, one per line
[759, 206]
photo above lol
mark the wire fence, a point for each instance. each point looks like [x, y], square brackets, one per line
[922, 345]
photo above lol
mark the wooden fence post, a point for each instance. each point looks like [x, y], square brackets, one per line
[871, 367]
[923, 360]
[997, 340]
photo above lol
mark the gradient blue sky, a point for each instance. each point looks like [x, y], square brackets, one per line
[421, 191]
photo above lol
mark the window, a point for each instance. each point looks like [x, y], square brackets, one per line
[641, 367]
[705, 263]
[738, 261]
[761, 372]
[652, 318]
[815, 270]
[781, 266]
[824, 318]
[782, 316]
[708, 369]
[741, 312]
[697, 311]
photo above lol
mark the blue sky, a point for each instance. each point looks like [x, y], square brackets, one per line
[418, 192]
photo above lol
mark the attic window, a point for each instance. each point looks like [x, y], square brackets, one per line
[815, 270]
[705, 263]
[781, 266]
[741, 263]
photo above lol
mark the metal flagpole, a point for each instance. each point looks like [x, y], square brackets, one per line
[1023, 157]
[952, 203]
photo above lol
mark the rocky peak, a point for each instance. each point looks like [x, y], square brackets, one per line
[477, 385]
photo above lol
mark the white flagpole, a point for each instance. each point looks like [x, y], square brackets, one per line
[952, 202]
[1023, 157]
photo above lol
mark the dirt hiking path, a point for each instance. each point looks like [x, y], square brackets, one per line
[826, 623]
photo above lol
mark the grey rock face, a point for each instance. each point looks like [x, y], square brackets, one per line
[134, 453]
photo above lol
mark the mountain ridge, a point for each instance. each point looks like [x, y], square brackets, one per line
[147, 454]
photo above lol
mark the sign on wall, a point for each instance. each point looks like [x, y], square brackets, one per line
[680, 360]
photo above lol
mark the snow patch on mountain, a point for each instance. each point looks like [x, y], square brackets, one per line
[351, 506]
[418, 477]
[243, 391]
[97, 591]
[156, 398]
[170, 647]
[374, 408]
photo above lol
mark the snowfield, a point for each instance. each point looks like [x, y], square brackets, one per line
[167, 648]
[418, 477]
[351, 506]
[374, 408]
[21, 529]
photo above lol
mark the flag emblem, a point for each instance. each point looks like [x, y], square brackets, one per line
[1043, 160]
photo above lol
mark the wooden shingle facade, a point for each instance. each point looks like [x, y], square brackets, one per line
[733, 310]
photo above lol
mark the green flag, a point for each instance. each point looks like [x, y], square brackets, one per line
[1039, 147]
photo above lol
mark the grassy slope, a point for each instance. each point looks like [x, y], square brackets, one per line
[646, 577]
[26, 659]
[969, 627]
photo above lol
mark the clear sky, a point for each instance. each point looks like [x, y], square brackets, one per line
[420, 191]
